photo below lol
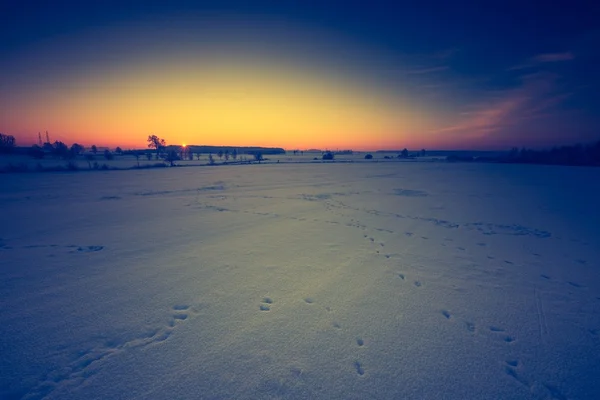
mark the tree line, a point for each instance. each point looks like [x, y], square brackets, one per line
[582, 155]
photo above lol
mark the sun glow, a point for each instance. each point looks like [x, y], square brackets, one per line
[221, 103]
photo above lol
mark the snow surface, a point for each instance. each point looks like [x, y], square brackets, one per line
[315, 281]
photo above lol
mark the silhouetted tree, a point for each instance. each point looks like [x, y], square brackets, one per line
[149, 156]
[404, 153]
[36, 152]
[564, 155]
[77, 149]
[89, 158]
[7, 143]
[220, 154]
[154, 142]
[368, 156]
[328, 155]
[47, 147]
[258, 157]
[137, 154]
[60, 149]
[234, 154]
[198, 156]
[226, 156]
[118, 150]
[190, 156]
[423, 153]
[171, 157]
[211, 160]
[108, 155]
[94, 149]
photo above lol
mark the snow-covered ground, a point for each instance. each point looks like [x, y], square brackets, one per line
[314, 281]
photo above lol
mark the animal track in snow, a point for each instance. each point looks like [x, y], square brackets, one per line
[540, 390]
[418, 283]
[309, 300]
[360, 342]
[575, 284]
[266, 304]
[89, 361]
[359, 368]
[89, 249]
[446, 314]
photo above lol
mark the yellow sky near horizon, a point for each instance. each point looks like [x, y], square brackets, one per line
[233, 102]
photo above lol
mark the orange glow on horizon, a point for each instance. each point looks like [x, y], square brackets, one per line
[224, 102]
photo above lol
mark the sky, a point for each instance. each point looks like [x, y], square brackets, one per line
[302, 74]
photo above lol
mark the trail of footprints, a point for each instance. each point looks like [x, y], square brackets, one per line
[265, 306]
[512, 367]
[89, 361]
[494, 330]
[73, 248]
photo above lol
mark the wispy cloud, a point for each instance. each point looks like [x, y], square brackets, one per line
[428, 70]
[502, 114]
[535, 61]
[553, 57]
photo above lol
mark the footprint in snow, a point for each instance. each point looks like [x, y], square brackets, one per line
[470, 326]
[359, 368]
[89, 249]
[266, 304]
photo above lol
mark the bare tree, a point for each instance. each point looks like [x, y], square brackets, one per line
[77, 149]
[172, 156]
[154, 142]
[7, 143]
